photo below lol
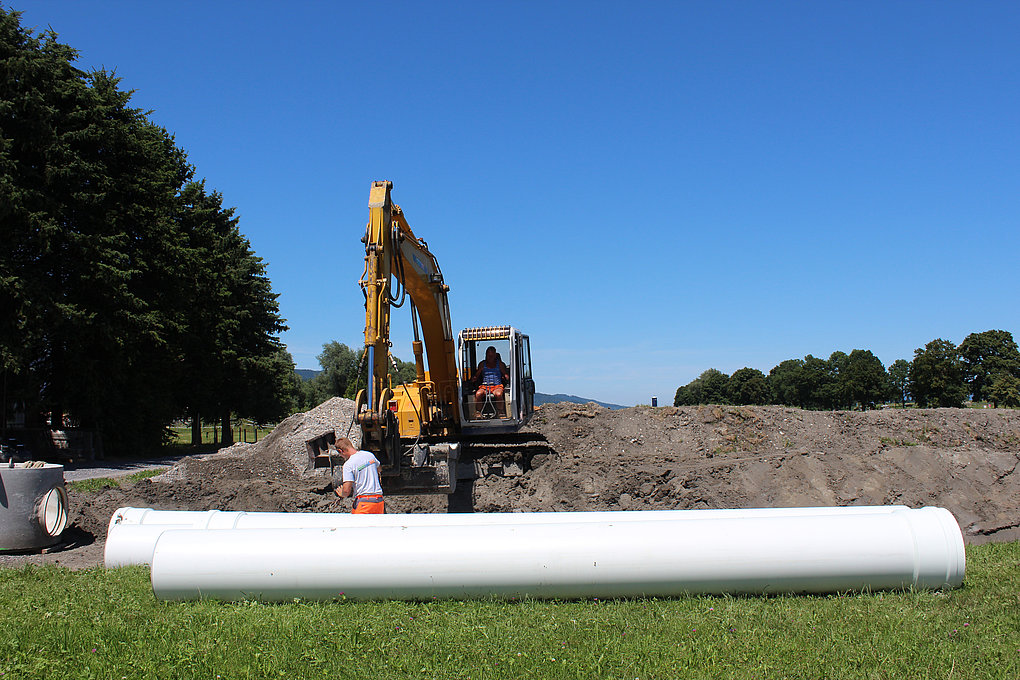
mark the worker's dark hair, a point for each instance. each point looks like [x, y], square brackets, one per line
[492, 347]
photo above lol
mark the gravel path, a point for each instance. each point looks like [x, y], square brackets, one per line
[108, 468]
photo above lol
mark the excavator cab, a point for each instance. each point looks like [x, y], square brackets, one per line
[502, 399]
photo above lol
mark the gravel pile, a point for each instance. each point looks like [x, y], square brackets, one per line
[288, 439]
[285, 444]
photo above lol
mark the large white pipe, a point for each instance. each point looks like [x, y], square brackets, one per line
[133, 532]
[220, 519]
[763, 554]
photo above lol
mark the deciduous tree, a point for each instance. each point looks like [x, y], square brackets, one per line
[817, 384]
[341, 377]
[707, 388]
[864, 379]
[986, 357]
[340, 373]
[831, 392]
[936, 375]
[785, 383]
[682, 396]
[747, 386]
[899, 381]
[1005, 390]
[712, 387]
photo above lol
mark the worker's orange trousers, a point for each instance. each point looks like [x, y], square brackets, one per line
[368, 505]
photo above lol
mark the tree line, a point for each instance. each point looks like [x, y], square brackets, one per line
[129, 296]
[344, 372]
[984, 367]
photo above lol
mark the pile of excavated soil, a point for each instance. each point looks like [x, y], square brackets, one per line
[642, 458]
[585, 457]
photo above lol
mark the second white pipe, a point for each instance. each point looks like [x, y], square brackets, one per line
[765, 554]
[133, 532]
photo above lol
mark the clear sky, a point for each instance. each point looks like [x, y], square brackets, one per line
[648, 189]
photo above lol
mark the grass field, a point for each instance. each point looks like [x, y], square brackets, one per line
[245, 432]
[98, 483]
[107, 624]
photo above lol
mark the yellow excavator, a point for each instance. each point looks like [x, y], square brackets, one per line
[417, 430]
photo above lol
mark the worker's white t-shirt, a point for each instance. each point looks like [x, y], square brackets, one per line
[363, 469]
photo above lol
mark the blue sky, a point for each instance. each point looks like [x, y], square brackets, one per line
[647, 189]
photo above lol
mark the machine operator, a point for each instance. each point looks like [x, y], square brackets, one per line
[490, 376]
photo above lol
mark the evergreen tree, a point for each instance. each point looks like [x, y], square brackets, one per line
[87, 191]
[129, 294]
[248, 322]
[275, 388]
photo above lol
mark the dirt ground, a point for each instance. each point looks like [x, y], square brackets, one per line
[586, 457]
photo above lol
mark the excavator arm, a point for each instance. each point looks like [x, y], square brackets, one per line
[399, 268]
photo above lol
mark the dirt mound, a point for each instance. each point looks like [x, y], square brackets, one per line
[280, 452]
[734, 457]
[586, 457]
[270, 475]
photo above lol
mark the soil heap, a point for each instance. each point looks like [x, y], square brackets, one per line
[586, 457]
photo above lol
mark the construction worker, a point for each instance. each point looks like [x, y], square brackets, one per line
[360, 478]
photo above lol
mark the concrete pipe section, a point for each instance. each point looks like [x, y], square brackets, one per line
[757, 553]
[33, 505]
[133, 532]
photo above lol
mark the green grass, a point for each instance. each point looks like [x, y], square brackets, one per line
[107, 624]
[889, 441]
[100, 483]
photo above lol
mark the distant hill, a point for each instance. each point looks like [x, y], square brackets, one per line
[306, 373]
[557, 398]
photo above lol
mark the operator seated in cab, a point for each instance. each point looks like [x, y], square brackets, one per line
[490, 377]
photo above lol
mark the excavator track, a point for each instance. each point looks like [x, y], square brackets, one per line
[506, 455]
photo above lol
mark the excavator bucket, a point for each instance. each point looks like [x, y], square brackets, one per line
[322, 451]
